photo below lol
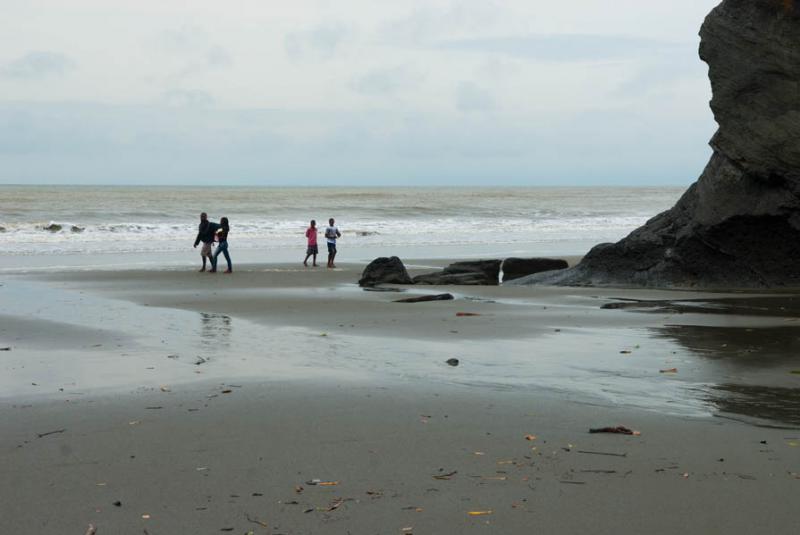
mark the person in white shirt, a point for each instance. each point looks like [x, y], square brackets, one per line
[331, 233]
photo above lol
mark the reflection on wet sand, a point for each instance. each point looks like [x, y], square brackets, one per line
[739, 353]
[215, 330]
[764, 346]
[771, 306]
[773, 404]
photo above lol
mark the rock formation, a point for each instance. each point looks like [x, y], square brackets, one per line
[739, 224]
[385, 270]
[516, 268]
[471, 273]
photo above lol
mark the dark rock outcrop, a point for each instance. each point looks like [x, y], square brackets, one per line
[470, 273]
[739, 224]
[53, 227]
[426, 298]
[515, 268]
[385, 270]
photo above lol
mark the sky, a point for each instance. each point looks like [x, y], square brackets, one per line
[353, 92]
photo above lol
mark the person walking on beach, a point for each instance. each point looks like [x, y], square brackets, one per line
[312, 250]
[222, 248]
[331, 234]
[205, 234]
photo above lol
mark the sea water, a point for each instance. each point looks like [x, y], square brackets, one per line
[86, 225]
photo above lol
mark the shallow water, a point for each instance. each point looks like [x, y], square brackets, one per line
[738, 372]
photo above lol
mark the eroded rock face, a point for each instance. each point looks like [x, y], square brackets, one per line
[739, 224]
[516, 268]
[385, 270]
[468, 273]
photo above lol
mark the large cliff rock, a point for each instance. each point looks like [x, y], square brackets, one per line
[739, 224]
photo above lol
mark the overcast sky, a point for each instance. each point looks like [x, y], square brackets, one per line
[361, 92]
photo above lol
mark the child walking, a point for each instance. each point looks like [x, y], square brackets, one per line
[312, 250]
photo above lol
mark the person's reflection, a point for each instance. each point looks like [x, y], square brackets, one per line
[215, 330]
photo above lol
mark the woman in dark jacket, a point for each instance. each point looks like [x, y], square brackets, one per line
[222, 238]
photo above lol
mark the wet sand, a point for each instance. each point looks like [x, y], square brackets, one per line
[202, 403]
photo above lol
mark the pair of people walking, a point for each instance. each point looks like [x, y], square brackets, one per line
[209, 232]
[331, 235]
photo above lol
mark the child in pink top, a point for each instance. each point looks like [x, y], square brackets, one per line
[311, 234]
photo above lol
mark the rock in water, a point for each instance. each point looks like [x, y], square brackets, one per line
[738, 226]
[53, 227]
[385, 270]
[515, 268]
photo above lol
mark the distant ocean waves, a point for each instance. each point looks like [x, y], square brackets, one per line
[49, 221]
[56, 237]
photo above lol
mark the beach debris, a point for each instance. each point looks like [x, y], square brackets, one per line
[466, 314]
[154, 407]
[299, 489]
[599, 471]
[318, 482]
[495, 478]
[173, 356]
[42, 435]
[9, 349]
[165, 388]
[323, 334]
[256, 521]
[530, 438]
[201, 468]
[407, 529]
[334, 505]
[793, 372]
[480, 513]
[567, 482]
[452, 362]
[589, 452]
[117, 504]
[618, 430]
[445, 477]
[375, 494]
[227, 391]
[200, 360]
[91, 530]
[626, 352]
[669, 370]
[146, 516]
[425, 298]
[226, 529]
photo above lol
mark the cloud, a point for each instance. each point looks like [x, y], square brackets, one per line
[188, 98]
[195, 47]
[38, 64]
[380, 82]
[470, 97]
[561, 48]
[318, 44]
[426, 24]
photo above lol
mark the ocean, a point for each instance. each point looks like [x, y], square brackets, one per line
[43, 225]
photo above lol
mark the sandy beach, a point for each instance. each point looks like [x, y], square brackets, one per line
[288, 400]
